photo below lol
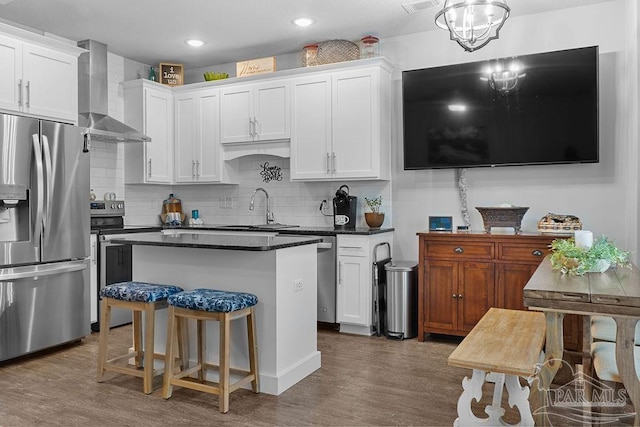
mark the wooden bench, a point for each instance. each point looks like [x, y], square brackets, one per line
[504, 345]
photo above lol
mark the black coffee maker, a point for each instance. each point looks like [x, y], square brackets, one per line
[345, 209]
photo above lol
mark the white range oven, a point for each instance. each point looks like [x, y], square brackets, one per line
[114, 261]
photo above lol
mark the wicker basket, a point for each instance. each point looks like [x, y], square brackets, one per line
[559, 224]
[337, 51]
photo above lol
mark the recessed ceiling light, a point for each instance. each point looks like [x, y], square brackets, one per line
[194, 42]
[303, 22]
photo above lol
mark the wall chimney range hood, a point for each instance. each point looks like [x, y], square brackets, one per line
[93, 98]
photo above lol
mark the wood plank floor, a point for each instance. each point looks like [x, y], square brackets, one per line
[363, 381]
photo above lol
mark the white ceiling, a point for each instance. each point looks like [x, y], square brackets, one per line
[152, 31]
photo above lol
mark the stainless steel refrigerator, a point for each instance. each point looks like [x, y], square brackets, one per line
[44, 235]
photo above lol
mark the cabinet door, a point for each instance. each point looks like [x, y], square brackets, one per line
[311, 128]
[440, 295]
[208, 150]
[353, 302]
[11, 82]
[51, 83]
[509, 284]
[236, 114]
[475, 293]
[185, 138]
[158, 124]
[272, 111]
[354, 119]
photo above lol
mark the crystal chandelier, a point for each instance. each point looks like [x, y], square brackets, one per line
[504, 79]
[473, 23]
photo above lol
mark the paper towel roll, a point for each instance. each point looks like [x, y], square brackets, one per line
[584, 239]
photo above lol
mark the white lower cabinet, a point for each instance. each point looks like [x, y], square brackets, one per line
[354, 296]
[93, 271]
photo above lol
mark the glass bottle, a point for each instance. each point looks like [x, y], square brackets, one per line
[152, 74]
[369, 47]
[310, 55]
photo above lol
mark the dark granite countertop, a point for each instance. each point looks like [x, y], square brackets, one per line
[215, 241]
[305, 230]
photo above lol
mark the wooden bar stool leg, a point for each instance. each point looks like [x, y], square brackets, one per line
[150, 319]
[137, 338]
[202, 349]
[167, 387]
[253, 351]
[105, 319]
[183, 340]
[224, 362]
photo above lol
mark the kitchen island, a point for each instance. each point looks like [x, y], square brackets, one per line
[280, 270]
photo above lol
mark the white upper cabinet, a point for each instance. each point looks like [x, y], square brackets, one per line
[198, 155]
[148, 107]
[255, 112]
[39, 81]
[341, 125]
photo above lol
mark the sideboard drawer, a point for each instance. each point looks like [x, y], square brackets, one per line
[459, 250]
[534, 251]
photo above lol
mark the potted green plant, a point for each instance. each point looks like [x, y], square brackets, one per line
[569, 258]
[375, 218]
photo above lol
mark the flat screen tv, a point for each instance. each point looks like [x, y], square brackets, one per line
[523, 110]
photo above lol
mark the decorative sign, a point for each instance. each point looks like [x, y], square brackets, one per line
[256, 66]
[171, 74]
[270, 173]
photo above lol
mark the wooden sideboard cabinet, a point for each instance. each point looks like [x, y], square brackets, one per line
[462, 275]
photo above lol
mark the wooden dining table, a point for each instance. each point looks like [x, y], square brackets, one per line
[614, 293]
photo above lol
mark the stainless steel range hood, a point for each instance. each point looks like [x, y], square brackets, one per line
[93, 99]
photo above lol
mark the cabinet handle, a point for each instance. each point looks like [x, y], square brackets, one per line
[340, 273]
[197, 167]
[454, 296]
[333, 162]
[328, 165]
[458, 250]
[459, 296]
[20, 92]
[537, 252]
[94, 252]
[149, 169]
[193, 168]
[28, 86]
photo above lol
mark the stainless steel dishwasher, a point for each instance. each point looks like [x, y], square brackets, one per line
[327, 279]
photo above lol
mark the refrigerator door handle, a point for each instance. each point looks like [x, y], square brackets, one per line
[30, 271]
[49, 184]
[39, 184]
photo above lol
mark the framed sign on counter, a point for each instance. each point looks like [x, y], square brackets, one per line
[171, 74]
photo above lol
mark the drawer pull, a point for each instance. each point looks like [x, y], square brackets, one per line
[458, 250]
[454, 296]
[608, 300]
[459, 296]
[536, 252]
[572, 297]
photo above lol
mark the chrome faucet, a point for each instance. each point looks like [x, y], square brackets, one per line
[270, 218]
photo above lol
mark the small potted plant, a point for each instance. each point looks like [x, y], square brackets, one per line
[375, 218]
[570, 259]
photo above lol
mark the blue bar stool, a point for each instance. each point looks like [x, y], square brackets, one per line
[141, 298]
[222, 306]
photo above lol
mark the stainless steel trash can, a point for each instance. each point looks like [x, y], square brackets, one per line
[402, 299]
